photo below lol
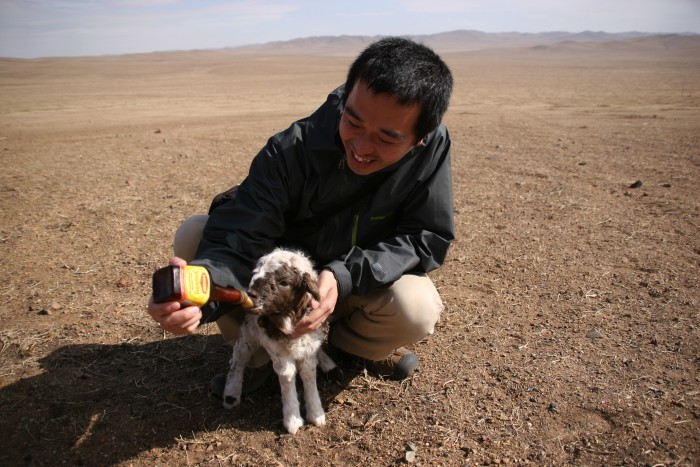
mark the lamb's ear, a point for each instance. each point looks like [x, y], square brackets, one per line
[311, 286]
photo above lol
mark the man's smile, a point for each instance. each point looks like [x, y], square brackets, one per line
[360, 159]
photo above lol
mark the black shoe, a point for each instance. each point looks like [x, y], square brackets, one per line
[400, 364]
[253, 380]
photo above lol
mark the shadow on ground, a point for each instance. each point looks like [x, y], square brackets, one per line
[103, 404]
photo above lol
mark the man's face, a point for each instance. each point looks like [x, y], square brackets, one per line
[376, 130]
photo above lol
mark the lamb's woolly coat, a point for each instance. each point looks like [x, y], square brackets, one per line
[282, 286]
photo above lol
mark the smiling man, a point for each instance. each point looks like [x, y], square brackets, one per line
[364, 187]
[376, 130]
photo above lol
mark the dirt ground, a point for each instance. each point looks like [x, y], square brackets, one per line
[571, 331]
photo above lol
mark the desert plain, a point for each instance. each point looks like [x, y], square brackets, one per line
[571, 334]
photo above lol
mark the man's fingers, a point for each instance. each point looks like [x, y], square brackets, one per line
[306, 325]
[191, 324]
[181, 321]
[161, 310]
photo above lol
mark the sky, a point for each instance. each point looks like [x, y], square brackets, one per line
[43, 28]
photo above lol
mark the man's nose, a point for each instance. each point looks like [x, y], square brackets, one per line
[363, 145]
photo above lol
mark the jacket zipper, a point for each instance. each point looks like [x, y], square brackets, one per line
[355, 223]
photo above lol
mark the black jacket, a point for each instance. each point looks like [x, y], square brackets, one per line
[299, 193]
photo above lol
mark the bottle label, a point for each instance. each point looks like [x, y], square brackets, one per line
[196, 285]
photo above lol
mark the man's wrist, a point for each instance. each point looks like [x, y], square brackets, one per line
[342, 278]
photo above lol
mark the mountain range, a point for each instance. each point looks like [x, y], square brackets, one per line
[470, 40]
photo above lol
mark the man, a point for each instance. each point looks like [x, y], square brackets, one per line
[363, 186]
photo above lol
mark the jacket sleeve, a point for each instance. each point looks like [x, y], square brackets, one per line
[420, 241]
[243, 229]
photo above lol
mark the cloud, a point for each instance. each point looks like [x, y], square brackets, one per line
[78, 27]
[547, 15]
[437, 6]
[96, 15]
[71, 27]
[142, 3]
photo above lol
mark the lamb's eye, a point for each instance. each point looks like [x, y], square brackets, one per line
[283, 283]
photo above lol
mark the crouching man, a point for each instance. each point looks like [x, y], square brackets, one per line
[363, 186]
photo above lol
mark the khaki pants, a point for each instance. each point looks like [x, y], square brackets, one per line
[370, 326]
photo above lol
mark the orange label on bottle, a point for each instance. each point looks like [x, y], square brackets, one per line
[196, 283]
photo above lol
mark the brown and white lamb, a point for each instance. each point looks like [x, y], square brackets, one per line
[282, 286]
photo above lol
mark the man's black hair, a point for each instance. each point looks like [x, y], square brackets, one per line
[409, 71]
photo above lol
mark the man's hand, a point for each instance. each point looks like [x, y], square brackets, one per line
[328, 290]
[171, 316]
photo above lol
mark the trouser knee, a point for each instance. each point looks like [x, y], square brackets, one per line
[373, 326]
[417, 309]
[188, 236]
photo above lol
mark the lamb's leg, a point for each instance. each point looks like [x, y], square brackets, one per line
[286, 372]
[314, 409]
[325, 362]
[234, 380]
[328, 367]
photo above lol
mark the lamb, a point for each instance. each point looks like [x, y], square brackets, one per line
[282, 286]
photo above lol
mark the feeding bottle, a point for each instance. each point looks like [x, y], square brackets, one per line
[193, 285]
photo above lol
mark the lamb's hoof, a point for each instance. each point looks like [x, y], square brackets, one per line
[293, 423]
[231, 402]
[318, 420]
[254, 379]
[334, 375]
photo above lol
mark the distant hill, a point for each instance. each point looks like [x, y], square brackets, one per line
[666, 42]
[469, 40]
[461, 41]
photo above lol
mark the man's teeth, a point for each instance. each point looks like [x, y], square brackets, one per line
[360, 159]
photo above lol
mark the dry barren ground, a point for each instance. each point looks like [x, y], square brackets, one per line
[571, 333]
